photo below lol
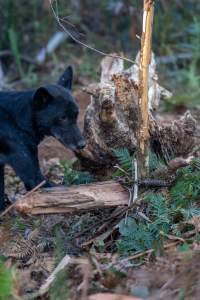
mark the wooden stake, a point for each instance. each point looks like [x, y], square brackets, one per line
[145, 56]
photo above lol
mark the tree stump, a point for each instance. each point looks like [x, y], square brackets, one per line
[111, 119]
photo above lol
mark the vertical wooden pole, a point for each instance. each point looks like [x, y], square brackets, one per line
[143, 112]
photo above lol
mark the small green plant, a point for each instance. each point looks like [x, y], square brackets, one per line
[19, 224]
[134, 237]
[74, 177]
[31, 78]
[125, 159]
[160, 213]
[58, 242]
[186, 189]
[5, 282]
[15, 50]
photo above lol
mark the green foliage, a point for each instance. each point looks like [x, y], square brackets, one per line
[87, 68]
[166, 214]
[74, 177]
[190, 212]
[186, 189]
[126, 162]
[5, 282]
[143, 235]
[155, 162]
[28, 18]
[160, 211]
[58, 241]
[184, 247]
[59, 289]
[188, 80]
[134, 237]
[31, 78]
[15, 49]
[19, 224]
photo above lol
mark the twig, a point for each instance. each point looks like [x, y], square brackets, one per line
[143, 253]
[135, 195]
[129, 202]
[25, 196]
[172, 237]
[62, 264]
[134, 191]
[78, 41]
[189, 234]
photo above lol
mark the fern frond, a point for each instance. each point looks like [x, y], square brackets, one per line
[190, 212]
[186, 189]
[155, 162]
[124, 158]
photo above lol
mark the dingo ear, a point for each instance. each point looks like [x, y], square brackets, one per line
[42, 98]
[66, 79]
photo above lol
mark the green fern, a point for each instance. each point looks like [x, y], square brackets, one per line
[134, 237]
[126, 166]
[190, 212]
[155, 162]
[125, 159]
[142, 235]
[186, 189]
[160, 212]
[166, 215]
[59, 247]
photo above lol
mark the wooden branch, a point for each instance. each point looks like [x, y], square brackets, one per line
[25, 196]
[62, 264]
[75, 198]
[145, 56]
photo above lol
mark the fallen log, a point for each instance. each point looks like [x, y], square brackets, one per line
[74, 198]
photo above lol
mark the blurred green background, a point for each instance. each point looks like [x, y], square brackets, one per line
[108, 25]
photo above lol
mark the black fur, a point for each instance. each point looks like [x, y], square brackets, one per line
[26, 117]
